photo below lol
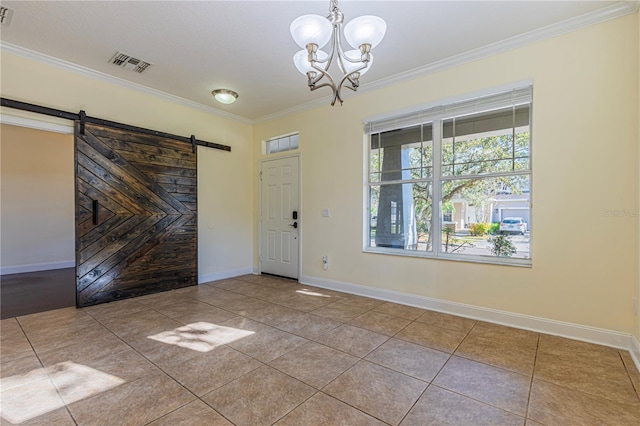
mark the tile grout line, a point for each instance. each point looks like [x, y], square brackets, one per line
[345, 402]
[431, 383]
[388, 339]
[592, 395]
[533, 373]
[151, 362]
[199, 398]
[626, 369]
[289, 412]
[355, 408]
[66, 407]
[263, 364]
[339, 375]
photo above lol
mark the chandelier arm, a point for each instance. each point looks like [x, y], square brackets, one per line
[336, 96]
[323, 73]
[321, 85]
[349, 77]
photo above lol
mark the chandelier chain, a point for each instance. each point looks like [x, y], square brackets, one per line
[333, 6]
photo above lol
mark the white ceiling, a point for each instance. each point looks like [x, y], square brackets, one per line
[198, 46]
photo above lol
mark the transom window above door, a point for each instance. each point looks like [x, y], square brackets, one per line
[281, 144]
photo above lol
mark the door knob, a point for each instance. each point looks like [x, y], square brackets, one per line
[294, 224]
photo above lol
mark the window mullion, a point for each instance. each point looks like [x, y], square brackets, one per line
[436, 215]
[486, 175]
[513, 140]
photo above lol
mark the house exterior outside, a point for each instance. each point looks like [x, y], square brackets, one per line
[500, 206]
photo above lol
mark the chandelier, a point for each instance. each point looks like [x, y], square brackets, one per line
[313, 32]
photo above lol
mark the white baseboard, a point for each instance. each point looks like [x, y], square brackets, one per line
[35, 267]
[222, 275]
[559, 328]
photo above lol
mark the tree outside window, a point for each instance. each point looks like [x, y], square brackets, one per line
[476, 165]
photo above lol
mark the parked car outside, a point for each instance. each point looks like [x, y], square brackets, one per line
[513, 225]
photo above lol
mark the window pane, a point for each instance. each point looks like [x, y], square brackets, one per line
[427, 159]
[270, 147]
[283, 144]
[407, 154]
[400, 216]
[487, 216]
[375, 159]
[490, 142]
[293, 141]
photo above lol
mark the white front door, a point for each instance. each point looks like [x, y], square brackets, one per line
[280, 217]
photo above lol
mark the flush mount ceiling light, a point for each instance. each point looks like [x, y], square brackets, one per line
[225, 96]
[313, 32]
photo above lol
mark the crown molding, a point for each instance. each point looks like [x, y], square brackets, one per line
[568, 25]
[35, 124]
[88, 72]
[612, 11]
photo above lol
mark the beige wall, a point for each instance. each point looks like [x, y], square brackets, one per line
[585, 156]
[37, 224]
[636, 331]
[225, 200]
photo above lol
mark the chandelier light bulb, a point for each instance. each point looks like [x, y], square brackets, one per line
[311, 29]
[366, 29]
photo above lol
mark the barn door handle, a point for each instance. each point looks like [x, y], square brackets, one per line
[95, 212]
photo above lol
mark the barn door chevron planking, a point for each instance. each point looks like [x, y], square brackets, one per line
[136, 214]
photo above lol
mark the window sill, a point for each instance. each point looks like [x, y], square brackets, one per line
[490, 260]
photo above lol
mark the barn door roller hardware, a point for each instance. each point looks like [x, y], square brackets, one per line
[83, 121]
[84, 118]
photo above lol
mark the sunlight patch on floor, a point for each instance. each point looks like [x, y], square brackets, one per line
[201, 336]
[312, 293]
[26, 396]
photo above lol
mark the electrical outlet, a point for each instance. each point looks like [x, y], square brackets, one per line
[325, 262]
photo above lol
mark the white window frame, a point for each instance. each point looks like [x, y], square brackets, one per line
[436, 113]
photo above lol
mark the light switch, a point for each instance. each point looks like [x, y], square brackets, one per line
[325, 212]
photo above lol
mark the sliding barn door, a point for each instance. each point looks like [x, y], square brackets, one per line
[136, 223]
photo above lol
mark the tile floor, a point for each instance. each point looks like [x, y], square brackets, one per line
[258, 350]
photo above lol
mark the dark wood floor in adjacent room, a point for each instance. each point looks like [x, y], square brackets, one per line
[22, 294]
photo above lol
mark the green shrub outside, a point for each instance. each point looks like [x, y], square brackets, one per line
[479, 229]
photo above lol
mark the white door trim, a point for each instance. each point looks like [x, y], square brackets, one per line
[300, 210]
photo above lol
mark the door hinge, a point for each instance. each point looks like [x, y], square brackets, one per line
[260, 175]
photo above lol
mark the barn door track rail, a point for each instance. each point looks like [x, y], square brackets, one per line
[84, 118]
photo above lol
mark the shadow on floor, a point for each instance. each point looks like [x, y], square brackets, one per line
[28, 293]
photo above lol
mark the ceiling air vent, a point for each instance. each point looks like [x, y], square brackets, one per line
[127, 62]
[5, 15]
